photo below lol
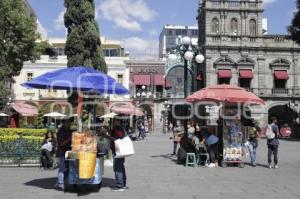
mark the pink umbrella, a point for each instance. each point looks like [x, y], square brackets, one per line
[225, 93]
[127, 109]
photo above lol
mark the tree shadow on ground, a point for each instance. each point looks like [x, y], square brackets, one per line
[80, 190]
[166, 156]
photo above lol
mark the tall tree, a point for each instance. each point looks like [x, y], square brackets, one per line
[294, 28]
[18, 36]
[83, 46]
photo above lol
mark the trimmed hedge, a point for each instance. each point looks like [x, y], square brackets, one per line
[13, 145]
[24, 132]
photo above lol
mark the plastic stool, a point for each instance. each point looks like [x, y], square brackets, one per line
[199, 161]
[191, 159]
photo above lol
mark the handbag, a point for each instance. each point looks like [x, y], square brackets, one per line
[123, 147]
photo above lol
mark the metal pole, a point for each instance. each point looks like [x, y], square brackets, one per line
[185, 91]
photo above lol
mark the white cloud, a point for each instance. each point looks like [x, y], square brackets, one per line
[141, 48]
[59, 21]
[127, 14]
[269, 1]
[153, 32]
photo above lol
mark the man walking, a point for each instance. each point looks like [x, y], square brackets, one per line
[273, 145]
[253, 142]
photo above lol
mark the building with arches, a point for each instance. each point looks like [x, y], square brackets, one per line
[237, 51]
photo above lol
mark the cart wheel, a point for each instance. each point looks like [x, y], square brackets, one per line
[242, 165]
[224, 164]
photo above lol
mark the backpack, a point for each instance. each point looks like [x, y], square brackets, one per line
[269, 133]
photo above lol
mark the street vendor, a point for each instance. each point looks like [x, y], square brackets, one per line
[64, 138]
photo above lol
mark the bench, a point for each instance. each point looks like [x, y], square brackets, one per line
[20, 152]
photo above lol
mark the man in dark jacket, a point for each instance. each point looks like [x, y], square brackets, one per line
[64, 138]
[273, 145]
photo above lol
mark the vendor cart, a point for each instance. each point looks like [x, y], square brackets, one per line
[233, 143]
[73, 174]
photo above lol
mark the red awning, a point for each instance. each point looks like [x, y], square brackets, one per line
[141, 80]
[159, 80]
[224, 73]
[246, 74]
[168, 84]
[199, 77]
[25, 109]
[281, 74]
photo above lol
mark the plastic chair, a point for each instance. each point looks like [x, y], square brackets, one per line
[191, 159]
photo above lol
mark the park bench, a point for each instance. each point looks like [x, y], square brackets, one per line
[20, 152]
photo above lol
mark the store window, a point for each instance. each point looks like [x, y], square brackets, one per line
[120, 79]
[215, 25]
[224, 81]
[184, 31]
[280, 83]
[29, 76]
[245, 83]
[178, 32]
[252, 27]
[234, 26]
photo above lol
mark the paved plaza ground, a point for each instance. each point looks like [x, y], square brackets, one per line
[153, 173]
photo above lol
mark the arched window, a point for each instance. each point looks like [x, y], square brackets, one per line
[215, 26]
[252, 27]
[234, 26]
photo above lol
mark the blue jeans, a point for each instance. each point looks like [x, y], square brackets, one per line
[120, 173]
[61, 171]
[252, 150]
[175, 147]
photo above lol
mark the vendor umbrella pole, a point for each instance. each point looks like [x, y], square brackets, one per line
[79, 111]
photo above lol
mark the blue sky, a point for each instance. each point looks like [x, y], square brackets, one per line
[138, 23]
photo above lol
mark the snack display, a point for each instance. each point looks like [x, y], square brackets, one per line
[84, 142]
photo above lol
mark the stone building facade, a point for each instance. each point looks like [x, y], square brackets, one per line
[238, 52]
[147, 88]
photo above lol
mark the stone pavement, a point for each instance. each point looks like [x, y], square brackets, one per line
[153, 173]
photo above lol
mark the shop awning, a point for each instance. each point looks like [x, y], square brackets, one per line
[141, 80]
[281, 74]
[159, 80]
[25, 109]
[224, 73]
[246, 74]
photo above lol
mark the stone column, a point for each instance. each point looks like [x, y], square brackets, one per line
[295, 71]
[261, 73]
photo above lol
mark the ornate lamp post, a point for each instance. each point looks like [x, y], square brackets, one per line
[187, 52]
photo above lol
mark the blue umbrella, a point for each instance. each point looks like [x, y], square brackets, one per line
[77, 78]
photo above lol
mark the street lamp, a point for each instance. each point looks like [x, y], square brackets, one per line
[165, 116]
[188, 53]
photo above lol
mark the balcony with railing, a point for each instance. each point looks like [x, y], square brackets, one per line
[231, 4]
[283, 91]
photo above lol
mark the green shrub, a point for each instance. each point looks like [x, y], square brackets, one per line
[12, 144]
[24, 132]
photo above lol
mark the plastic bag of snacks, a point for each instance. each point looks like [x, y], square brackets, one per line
[77, 141]
[85, 141]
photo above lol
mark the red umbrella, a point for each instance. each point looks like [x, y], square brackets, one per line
[225, 93]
